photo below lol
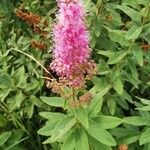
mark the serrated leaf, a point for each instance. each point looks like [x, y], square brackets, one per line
[133, 68]
[29, 109]
[118, 36]
[145, 108]
[128, 139]
[21, 77]
[144, 138]
[15, 143]
[52, 115]
[135, 15]
[53, 101]
[69, 143]
[117, 83]
[19, 98]
[97, 27]
[135, 120]
[118, 86]
[111, 105]
[107, 53]
[15, 136]
[95, 107]
[82, 115]
[100, 134]
[107, 122]
[126, 96]
[103, 67]
[96, 145]
[131, 3]
[62, 127]
[5, 81]
[138, 53]
[134, 32]
[122, 102]
[4, 137]
[101, 87]
[47, 130]
[117, 57]
[121, 132]
[115, 15]
[143, 100]
[3, 120]
[81, 140]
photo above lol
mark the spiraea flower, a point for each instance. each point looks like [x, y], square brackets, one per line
[71, 54]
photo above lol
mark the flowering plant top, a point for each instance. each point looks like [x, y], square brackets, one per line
[71, 54]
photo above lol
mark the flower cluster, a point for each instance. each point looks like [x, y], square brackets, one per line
[39, 45]
[34, 21]
[71, 55]
[30, 18]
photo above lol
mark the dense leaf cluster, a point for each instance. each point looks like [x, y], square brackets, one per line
[32, 117]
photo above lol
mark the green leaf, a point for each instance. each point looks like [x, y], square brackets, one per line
[53, 101]
[100, 134]
[138, 53]
[128, 139]
[95, 107]
[69, 143]
[4, 137]
[15, 136]
[81, 140]
[146, 29]
[52, 115]
[15, 143]
[126, 96]
[5, 81]
[47, 130]
[145, 108]
[143, 100]
[135, 15]
[118, 36]
[19, 98]
[107, 53]
[36, 101]
[134, 32]
[101, 87]
[111, 102]
[145, 2]
[97, 27]
[62, 127]
[122, 102]
[144, 138]
[6, 7]
[132, 3]
[115, 15]
[96, 145]
[133, 68]
[118, 86]
[21, 78]
[3, 120]
[4, 93]
[135, 120]
[107, 122]
[124, 132]
[82, 115]
[103, 67]
[117, 57]
[29, 109]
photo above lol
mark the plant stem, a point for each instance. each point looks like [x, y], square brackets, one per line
[33, 59]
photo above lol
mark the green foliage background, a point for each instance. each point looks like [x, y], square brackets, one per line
[120, 110]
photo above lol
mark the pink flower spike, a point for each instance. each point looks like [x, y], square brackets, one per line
[71, 51]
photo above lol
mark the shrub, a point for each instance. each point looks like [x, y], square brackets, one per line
[111, 112]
